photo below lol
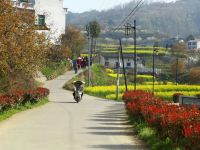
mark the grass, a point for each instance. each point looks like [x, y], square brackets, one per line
[10, 112]
[52, 70]
[149, 136]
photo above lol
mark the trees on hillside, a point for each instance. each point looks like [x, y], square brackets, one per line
[22, 49]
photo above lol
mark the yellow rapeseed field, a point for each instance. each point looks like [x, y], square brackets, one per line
[165, 91]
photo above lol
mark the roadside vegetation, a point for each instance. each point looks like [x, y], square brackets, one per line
[21, 100]
[104, 85]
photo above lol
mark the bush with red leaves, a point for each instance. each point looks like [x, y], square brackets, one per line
[180, 124]
[21, 97]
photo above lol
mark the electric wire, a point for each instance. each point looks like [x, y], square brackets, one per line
[128, 17]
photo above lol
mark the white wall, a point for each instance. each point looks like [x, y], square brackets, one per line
[55, 15]
[112, 62]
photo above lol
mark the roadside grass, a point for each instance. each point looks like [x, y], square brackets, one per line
[11, 111]
[149, 136]
[54, 69]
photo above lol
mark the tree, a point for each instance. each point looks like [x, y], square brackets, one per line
[93, 29]
[23, 50]
[194, 75]
[179, 50]
[73, 40]
[180, 65]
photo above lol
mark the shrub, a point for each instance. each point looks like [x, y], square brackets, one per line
[21, 97]
[180, 124]
[194, 75]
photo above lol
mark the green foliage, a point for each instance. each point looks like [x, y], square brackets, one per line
[150, 136]
[53, 69]
[93, 28]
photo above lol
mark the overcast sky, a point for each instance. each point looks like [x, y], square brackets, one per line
[86, 5]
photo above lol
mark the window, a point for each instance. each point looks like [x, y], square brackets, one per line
[194, 43]
[128, 64]
[116, 64]
[107, 64]
[41, 20]
[23, 1]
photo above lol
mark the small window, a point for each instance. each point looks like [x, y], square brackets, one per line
[23, 1]
[106, 59]
[107, 64]
[194, 43]
[116, 64]
[128, 64]
[41, 20]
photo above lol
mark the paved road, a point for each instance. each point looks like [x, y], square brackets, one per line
[62, 124]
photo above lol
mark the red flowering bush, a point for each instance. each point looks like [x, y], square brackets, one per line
[180, 124]
[17, 97]
[6, 102]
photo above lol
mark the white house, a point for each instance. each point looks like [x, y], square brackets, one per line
[50, 12]
[111, 60]
[193, 44]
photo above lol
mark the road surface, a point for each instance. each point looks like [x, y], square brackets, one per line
[62, 124]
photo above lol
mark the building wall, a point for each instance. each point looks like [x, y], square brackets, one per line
[193, 44]
[55, 15]
[112, 62]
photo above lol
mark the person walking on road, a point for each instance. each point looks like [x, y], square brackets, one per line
[75, 66]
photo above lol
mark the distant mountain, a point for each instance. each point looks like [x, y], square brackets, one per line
[180, 18]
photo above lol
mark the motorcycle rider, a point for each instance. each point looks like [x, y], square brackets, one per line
[78, 88]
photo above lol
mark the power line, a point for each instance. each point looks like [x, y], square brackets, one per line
[134, 10]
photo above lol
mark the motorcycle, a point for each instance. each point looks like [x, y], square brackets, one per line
[78, 90]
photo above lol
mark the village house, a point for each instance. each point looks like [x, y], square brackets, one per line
[50, 15]
[193, 44]
[110, 60]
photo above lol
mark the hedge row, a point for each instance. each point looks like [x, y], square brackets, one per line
[180, 124]
[21, 97]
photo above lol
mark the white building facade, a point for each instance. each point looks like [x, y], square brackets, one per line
[52, 12]
[111, 60]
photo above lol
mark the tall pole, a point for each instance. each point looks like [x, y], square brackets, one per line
[177, 70]
[135, 57]
[124, 71]
[118, 72]
[155, 50]
[89, 52]
[153, 68]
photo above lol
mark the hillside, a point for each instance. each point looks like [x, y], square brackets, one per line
[180, 18]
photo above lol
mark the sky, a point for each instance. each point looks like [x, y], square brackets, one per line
[87, 5]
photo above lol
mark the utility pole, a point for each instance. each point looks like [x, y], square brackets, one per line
[177, 62]
[124, 71]
[128, 27]
[135, 57]
[89, 53]
[118, 72]
[155, 51]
